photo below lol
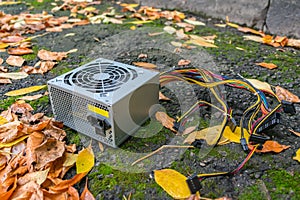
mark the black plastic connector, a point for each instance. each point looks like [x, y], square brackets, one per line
[193, 183]
[258, 139]
[244, 144]
[288, 107]
[269, 123]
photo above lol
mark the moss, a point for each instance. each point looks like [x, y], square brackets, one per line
[282, 185]
[253, 192]
[105, 178]
[44, 5]
[73, 137]
[5, 103]
[41, 102]
[31, 56]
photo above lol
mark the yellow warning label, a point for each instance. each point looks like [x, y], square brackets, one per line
[98, 111]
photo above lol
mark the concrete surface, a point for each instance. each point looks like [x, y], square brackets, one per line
[280, 17]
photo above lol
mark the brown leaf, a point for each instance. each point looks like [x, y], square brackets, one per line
[12, 39]
[65, 184]
[267, 65]
[10, 131]
[145, 65]
[38, 176]
[1, 61]
[183, 62]
[30, 98]
[30, 190]
[294, 43]
[296, 133]
[165, 120]
[6, 194]
[34, 140]
[55, 132]
[3, 69]
[163, 97]
[15, 61]
[86, 194]
[50, 56]
[48, 151]
[250, 30]
[281, 40]
[284, 94]
[73, 193]
[181, 35]
[19, 51]
[21, 107]
[5, 81]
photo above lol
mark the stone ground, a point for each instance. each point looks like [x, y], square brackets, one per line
[265, 176]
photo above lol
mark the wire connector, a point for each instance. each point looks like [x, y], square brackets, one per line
[193, 183]
[288, 107]
[232, 124]
[258, 139]
[244, 144]
[269, 123]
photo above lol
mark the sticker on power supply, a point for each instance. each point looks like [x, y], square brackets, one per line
[98, 110]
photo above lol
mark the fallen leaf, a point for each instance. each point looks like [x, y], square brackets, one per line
[30, 98]
[12, 39]
[181, 35]
[264, 86]
[145, 65]
[183, 62]
[293, 43]
[3, 120]
[165, 120]
[15, 61]
[3, 69]
[297, 157]
[161, 96]
[72, 193]
[7, 194]
[250, 30]
[50, 56]
[271, 146]
[173, 182]
[14, 75]
[292, 131]
[70, 159]
[176, 44]
[38, 176]
[5, 81]
[189, 130]
[101, 147]
[65, 184]
[19, 51]
[194, 22]
[169, 29]
[48, 151]
[283, 41]
[85, 160]
[267, 65]
[15, 141]
[210, 135]
[254, 38]
[25, 90]
[199, 41]
[284, 94]
[1, 61]
[86, 194]
[140, 22]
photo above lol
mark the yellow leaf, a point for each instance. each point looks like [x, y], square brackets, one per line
[264, 86]
[38, 176]
[297, 157]
[90, 9]
[25, 90]
[236, 135]
[139, 22]
[70, 159]
[132, 28]
[210, 135]
[129, 5]
[173, 182]
[3, 45]
[85, 160]
[267, 65]
[3, 120]
[194, 22]
[145, 65]
[232, 25]
[13, 142]
[9, 3]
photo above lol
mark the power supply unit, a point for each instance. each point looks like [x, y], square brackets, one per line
[104, 99]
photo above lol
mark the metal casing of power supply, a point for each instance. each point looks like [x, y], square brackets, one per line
[105, 100]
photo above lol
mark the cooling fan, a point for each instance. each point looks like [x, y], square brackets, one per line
[104, 99]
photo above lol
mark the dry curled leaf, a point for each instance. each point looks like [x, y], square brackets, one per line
[14, 75]
[264, 86]
[86, 194]
[30, 98]
[5, 81]
[165, 120]
[292, 131]
[19, 51]
[284, 94]
[15, 61]
[51, 56]
[267, 65]
[161, 96]
[173, 182]
[183, 62]
[145, 65]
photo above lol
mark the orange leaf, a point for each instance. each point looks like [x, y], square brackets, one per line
[5, 81]
[73, 193]
[15, 61]
[284, 94]
[271, 146]
[165, 120]
[1, 61]
[6, 195]
[250, 30]
[19, 51]
[65, 184]
[145, 65]
[12, 39]
[163, 97]
[267, 65]
[86, 194]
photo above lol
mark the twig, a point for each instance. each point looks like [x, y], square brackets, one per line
[159, 149]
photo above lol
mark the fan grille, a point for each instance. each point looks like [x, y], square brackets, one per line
[101, 77]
